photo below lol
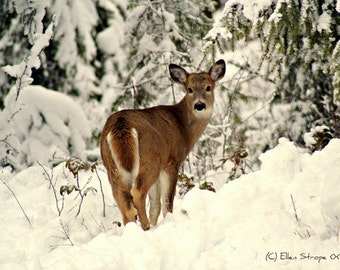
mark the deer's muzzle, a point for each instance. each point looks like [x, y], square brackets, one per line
[199, 106]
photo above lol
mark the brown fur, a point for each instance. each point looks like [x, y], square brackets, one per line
[123, 142]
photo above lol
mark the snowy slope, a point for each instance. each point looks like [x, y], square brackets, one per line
[284, 216]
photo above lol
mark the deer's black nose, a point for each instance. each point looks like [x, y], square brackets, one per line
[199, 106]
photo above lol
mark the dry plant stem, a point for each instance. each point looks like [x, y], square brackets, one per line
[296, 216]
[15, 197]
[66, 232]
[81, 196]
[49, 178]
[81, 193]
[101, 190]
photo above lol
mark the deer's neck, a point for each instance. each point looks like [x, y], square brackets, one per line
[193, 126]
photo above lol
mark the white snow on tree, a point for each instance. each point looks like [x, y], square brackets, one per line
[75, 24]
[47, 124]
[157, 33]
[294, 47]
[110, 55]
[32, 13]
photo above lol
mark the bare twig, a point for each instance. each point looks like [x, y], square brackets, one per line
[296, 216]
[15, 197]
[100, 225]
[81, 196]
[303, 230]
[66, 235]
[66, 232]
[101, 190]
[49, 178]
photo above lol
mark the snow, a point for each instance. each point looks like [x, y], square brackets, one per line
[324, 23]
[22, 71]
[269, 219]
[75, 23]
[46, 122]
[85, 22]
[283, 216]
[309, 137]
[250, 9]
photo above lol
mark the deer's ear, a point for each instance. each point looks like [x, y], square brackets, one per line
[217, 70]
[178, 74]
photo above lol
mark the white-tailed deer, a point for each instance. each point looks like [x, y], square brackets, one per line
[143, 150]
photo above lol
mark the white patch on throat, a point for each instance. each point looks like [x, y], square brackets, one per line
[204, 114]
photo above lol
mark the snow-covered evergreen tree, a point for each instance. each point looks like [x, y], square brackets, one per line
[95, 56]
[298, 55]
[82, 60]
[159, 32]
[48, 127]
[20, 56]
[76, 48]
[23, 39]
[86, 54]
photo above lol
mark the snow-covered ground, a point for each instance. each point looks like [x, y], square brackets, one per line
[283, 216]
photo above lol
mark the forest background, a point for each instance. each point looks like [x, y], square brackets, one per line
[66, 65]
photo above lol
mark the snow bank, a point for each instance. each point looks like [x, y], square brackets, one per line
[284, 216]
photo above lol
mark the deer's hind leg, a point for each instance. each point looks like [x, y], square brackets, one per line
[168, 181]
[123, 198]
[139, 192]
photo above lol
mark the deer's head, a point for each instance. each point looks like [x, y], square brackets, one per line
[199, 87]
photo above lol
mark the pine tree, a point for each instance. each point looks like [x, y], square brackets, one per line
[159, 32]
[299, 42]
[20, 56]
[95, 56]
[23, 38]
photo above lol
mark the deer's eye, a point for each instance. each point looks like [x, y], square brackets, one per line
[190, 90]
[208, 89]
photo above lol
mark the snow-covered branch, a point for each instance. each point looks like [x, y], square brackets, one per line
[23, 71]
